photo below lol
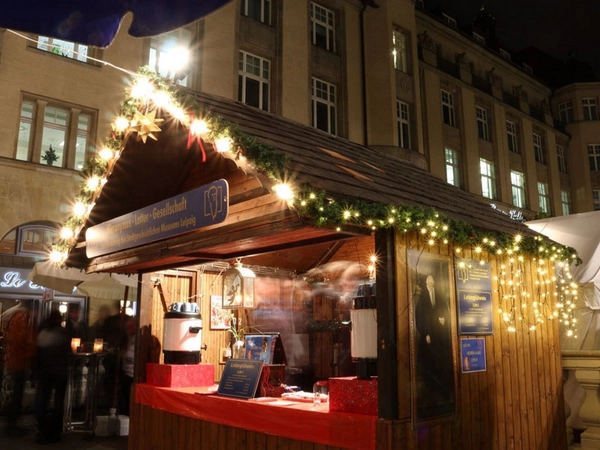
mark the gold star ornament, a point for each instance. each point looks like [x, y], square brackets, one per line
[145, 125]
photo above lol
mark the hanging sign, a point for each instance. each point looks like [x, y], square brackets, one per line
[474, 292]
[472, 355]
[199, 208]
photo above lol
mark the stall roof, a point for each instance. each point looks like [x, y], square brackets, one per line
[149, 172]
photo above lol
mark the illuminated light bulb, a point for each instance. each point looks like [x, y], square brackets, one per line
[457, 250]
[199, 127]
[445, 227]
[57, 256]
[434, 233]
[373, 258]
[391, 220]
[369, 222]
[162, 99]
[338, 229]
[223, 144]
[93, 182]
[175, 59]
[478, 249]
[303, 203]
[518, 238]
[347, 214]
[142, 88]
[79, 209]
[423, 230]
[284, 191]
[121, 123]
[66, 233]
[106, 154]
[312, 196]
[431, 242]
[178, 114]
[445, 241]
[431, 224]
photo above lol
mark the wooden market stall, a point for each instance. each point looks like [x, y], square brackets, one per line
[512, 399]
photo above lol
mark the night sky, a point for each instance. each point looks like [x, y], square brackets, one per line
[557, 27]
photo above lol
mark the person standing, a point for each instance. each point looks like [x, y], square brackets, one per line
[53, 347]
[19, 348]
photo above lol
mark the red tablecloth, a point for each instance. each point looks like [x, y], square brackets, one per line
[294, 420]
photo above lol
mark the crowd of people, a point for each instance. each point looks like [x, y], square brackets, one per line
[40, 354]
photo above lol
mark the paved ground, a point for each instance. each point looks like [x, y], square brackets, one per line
[69, 441]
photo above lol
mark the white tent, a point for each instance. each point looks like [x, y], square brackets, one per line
[582, 232]
[96, 285]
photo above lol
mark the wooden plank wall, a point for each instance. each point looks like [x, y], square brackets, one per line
[517, 403]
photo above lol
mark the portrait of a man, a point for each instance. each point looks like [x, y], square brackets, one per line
[433, 360]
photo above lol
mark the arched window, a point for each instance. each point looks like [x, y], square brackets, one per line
[30, 239]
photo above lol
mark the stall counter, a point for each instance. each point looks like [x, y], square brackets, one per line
[294, 420]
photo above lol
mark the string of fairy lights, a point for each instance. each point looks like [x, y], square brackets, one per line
[151, 101]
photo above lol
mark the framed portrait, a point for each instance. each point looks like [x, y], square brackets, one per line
[433, 358]
[219, 317]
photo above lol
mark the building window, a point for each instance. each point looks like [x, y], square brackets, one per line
[565, 111]
[479, 38]
[450, 21]
[565, 199]
[253, 81]
[30, 239]
[258, 10]
[538, 148]
[517, 182]
[169, 55]
[590, 109]
[400, 51]
[528, 69]
[562, 160]
[488, 179]
[403, 120]
[482, 124]
[322, 21]
[594, 157]
[452, 168]
[448, 108]
[56, 145]
[505, 54]
[67, 49]
[544, 197]
[596, 196]
[512, 137]
[323, 106]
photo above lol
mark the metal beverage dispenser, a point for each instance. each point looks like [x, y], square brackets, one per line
[182, 334]
[363, 331]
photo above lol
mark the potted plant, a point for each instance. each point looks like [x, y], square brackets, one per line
[50, 156]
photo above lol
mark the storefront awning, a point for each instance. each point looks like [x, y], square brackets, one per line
[97, 22]
[97, 285]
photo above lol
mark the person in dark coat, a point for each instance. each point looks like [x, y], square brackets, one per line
[53, 346]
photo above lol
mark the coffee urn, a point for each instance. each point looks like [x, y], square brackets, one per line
[182, 334]
[363, 331]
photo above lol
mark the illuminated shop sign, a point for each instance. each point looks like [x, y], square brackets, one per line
[15, 281]
[199, 208]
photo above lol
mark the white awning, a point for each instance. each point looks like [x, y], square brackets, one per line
[75, 281]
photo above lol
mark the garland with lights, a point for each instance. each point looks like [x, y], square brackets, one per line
[137, 119]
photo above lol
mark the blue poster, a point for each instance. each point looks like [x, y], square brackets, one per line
[472, 355]
[474, 295]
